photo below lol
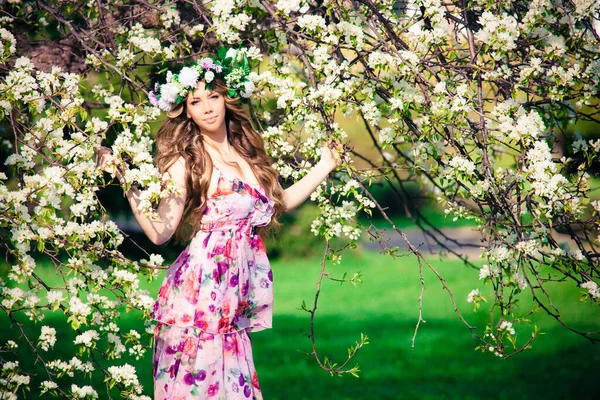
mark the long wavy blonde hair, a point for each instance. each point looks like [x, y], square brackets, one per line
[180, 136]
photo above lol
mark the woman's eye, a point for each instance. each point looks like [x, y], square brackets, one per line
[194, 102]
[214, 96]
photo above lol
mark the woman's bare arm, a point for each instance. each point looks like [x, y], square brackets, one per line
[170, 210]
[301, 190]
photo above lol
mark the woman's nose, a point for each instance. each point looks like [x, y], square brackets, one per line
[208, 108]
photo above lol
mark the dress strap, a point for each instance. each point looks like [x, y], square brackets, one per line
[219, 170]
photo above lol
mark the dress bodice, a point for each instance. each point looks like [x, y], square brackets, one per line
[222, 281]
[236, 202]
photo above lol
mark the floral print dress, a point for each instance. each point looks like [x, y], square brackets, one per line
[216, 291]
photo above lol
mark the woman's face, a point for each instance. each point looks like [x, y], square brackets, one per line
[207, 109]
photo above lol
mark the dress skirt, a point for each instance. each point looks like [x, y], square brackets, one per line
[192, 364]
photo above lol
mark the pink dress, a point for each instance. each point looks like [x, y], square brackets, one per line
[217, 290]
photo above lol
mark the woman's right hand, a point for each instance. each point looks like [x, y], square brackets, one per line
[104, 159]
[106, 162]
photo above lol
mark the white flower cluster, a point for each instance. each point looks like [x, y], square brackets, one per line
[170, 17]
[12, 297]
[47, 386]
[8, 45]
[196, 30]
[12, 380]
[473, 294]
[519, 280]
[23, 270]
[78, 308]
[498, 254]
[507, 327]
[352, 33]
[289, 6]
[332, 221]
[387, 136]
[489, 271]
[500, 32]
[527, 127]
[126, 279]
[87, 338]
[460, 164]
[69, 368]
[142, 299]
[125, 57]
[47, 338]
[311, 23]
[125, 375]
[139, 39]
[227, 23]
[544, 178]
[371, 112]
[529, 247]
[155, 260]
[116, 348]
[84, 392]
[583, 8]
[592, 288]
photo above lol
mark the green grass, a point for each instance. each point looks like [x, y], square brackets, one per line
[443, 364]
[434, 215]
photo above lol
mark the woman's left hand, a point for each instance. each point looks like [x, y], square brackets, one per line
[331, 154]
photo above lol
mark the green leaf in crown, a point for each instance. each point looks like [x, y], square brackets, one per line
[230, 66]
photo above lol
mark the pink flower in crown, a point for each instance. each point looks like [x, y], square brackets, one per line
[153, 99]
[207, 63]
[152, 95]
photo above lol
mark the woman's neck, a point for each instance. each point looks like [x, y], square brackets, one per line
[218, 142]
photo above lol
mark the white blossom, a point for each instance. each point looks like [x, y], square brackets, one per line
[126, 375]
[592, 288]
[500, 32]
[48, 385]
[8, 44]
[488, 271]
[461, 164]
[78, 308]
[47, 337]
[87, 338]
[507, 327]
[472, 294]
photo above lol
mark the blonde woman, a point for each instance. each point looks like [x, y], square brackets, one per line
[220, 287]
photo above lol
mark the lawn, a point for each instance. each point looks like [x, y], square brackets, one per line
[443, 364]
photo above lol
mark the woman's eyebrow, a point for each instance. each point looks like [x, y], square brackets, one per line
[209, 94]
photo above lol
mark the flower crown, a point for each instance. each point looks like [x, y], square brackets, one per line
[231, 66]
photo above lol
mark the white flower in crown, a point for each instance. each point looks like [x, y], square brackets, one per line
[209, 76]
[188, 77]
[164, 105]
[169, 92]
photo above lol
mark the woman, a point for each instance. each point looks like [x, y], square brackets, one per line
[220, 286]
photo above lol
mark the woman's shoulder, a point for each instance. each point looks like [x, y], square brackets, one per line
[176, 171]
